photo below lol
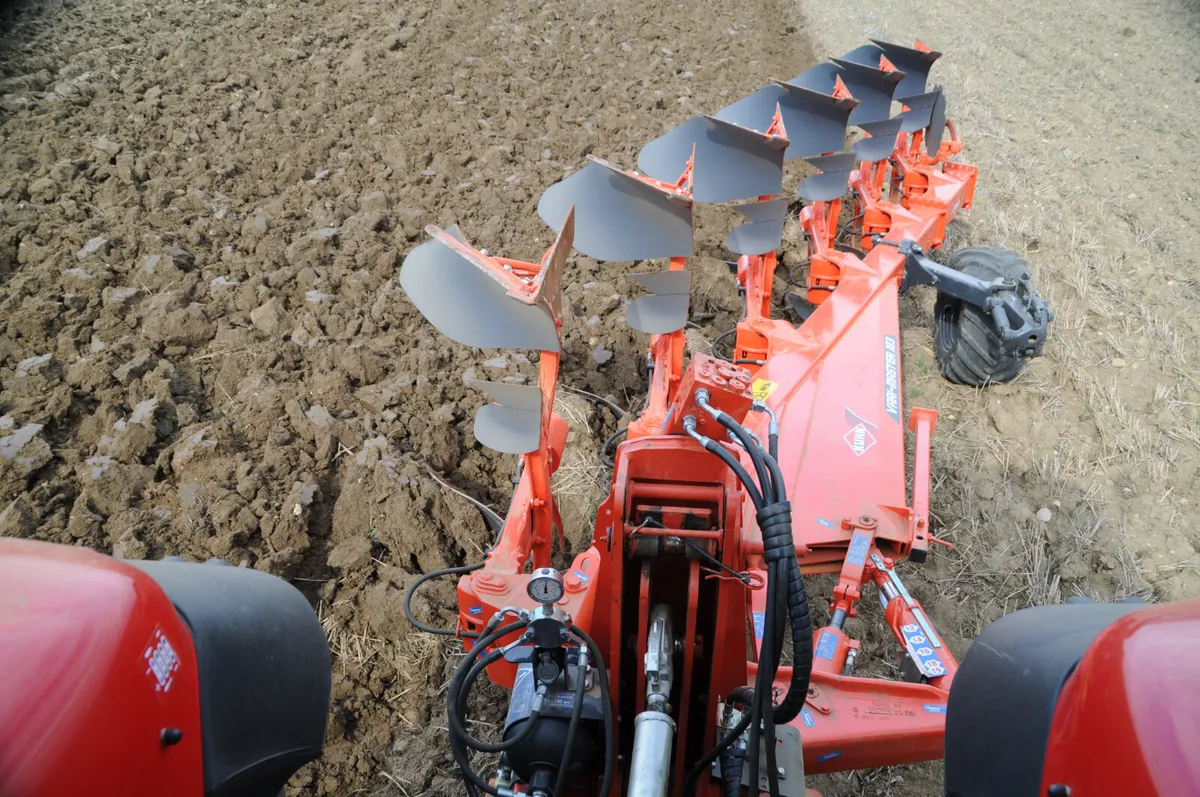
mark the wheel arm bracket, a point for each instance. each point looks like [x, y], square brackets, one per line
[1021, 317]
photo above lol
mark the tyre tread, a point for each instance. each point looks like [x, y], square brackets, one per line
[974, 356]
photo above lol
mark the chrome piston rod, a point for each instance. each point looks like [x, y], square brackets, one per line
[653, 729]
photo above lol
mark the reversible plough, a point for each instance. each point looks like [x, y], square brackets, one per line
[655, 663]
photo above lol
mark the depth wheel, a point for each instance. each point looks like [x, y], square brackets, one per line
[969, 350]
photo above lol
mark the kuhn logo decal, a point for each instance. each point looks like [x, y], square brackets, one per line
[891, 377]
[862, 433]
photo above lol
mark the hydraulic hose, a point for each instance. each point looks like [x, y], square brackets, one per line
[496, 524]
[743, 695]
[731, 462]
[731, 773]
[762, 686]
[560, 781]
[766, 485]
[796, 596]
[412, 590]
[456, 719]
[802, 647]
[489, 635]
[610, 730]
[611, 460]
[786, 599]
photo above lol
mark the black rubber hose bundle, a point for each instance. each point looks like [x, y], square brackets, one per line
[610, 725]
[458, 740]
[457, 719]
[560, 781]
[785, 597]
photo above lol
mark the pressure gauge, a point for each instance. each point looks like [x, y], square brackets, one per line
[546, 585]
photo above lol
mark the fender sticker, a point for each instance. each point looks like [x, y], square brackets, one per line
[161, 661]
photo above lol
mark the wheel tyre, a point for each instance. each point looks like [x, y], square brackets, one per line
[969, 350]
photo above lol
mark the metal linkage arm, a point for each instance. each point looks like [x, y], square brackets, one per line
[1021, 317]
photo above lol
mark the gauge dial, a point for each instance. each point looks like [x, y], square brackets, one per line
[545, 586]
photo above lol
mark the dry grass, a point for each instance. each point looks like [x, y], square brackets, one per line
[581, 480]
[351, 650]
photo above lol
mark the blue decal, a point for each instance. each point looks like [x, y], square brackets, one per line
[858, 549]
[921, 651]
[808, 718]
[821, 759]
[824, 522]
[760, 621]
[935, 708]
[476, 610]
[826, 646]
[891, 377]
[582, 576]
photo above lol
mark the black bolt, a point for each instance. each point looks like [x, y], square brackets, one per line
[170, 736]
[1058, 790]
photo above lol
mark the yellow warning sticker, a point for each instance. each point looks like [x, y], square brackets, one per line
[762, 388]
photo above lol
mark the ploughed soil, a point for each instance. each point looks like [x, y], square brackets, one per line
[204, 350]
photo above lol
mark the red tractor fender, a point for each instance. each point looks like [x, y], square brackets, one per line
[99, 690]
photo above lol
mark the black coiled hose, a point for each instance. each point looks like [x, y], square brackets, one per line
[458, 744]
[457, 719]
[473, 664]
